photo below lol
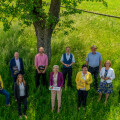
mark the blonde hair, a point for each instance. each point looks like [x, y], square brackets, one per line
[56, 66]
[109, 63]
[22, 79]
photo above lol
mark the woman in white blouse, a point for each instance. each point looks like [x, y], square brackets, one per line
[107, 75]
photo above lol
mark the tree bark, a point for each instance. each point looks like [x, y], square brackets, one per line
[44, 32]
[44, 39]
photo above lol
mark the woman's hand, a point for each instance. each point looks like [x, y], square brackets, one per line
[16, 100]
[14, 73]
[86, 82]
[60, 88]
[38, 72]
[107, 78]
[43, 71]
[102, 77]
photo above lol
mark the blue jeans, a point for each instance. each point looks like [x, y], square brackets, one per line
[4, 92]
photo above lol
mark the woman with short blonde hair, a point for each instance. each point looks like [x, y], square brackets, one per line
[107, 75]
[56, 80]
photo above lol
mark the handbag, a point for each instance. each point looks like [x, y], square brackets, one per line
[41, 68]
[15, 68]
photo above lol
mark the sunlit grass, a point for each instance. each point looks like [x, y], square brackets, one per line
[79, 31]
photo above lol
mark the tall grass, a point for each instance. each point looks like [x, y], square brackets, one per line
[83, 31]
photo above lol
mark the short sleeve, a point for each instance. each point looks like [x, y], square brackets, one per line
[100, 58]
[87, 57]
[73, 59]
[61, 59]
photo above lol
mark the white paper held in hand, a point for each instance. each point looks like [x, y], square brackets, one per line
[54, 88]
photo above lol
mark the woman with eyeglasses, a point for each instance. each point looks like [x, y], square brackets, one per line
[83, 81]
[56, 80]
[107, 75]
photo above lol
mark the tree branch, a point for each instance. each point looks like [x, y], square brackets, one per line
[55, 7]
[54, 12]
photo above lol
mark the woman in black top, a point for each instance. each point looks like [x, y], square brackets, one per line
[21, 94]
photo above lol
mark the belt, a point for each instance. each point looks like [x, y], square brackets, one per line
[93, 67]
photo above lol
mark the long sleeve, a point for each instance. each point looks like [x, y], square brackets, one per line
[77, 78]
[11, 69]
[112, 75]
[22, 66]
[62, 80]
[51, 81]
[101, 73]
[27, 89]
[15, 91]
[36, 61]
[46, 63]
[90, 79]
[1, 81]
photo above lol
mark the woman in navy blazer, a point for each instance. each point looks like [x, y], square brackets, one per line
[56, 80]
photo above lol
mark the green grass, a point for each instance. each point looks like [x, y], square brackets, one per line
[79, 31]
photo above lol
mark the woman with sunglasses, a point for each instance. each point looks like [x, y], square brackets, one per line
[83, 81]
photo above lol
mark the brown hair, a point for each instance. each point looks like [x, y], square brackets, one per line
[109, 63]
[67, 47]
[22, 79]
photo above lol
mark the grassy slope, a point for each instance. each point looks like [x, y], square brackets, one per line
[84, 31]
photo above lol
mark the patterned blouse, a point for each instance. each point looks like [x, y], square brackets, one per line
[106, 72]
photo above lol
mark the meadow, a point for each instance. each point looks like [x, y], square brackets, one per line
[80, 32]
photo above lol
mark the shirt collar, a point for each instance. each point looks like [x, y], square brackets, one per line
[56, 74]
[68, 54]
[92, 53]
[21, 84]
[17, 59]
[83, 74]
[41, 55]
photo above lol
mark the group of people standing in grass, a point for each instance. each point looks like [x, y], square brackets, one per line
[57, 79]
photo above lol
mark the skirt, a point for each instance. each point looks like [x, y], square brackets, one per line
[105, 88]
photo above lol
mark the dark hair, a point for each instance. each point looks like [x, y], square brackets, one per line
[67, 47]
[84, 66]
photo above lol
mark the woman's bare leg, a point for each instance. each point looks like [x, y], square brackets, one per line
[100, 96]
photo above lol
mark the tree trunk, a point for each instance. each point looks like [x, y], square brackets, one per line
[43, 39]
[43, 32]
